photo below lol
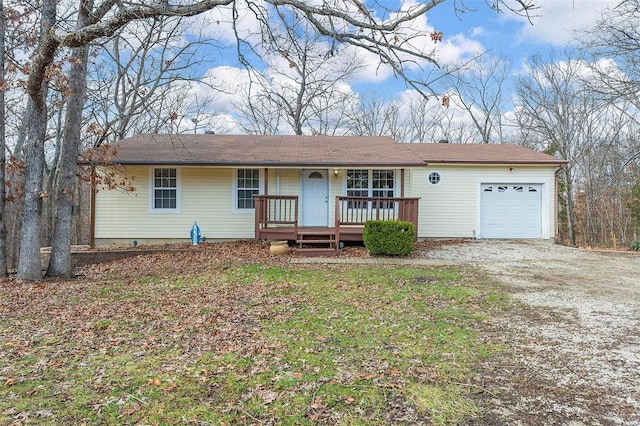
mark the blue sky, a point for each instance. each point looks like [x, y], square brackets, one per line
[466, 35]
[552, 25]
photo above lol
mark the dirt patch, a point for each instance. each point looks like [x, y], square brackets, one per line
[572, 343]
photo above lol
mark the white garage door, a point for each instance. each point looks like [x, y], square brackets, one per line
[510, 210]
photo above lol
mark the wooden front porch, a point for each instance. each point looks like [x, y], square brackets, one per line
[276, 218]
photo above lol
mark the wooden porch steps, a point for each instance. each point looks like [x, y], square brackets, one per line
[316, 242]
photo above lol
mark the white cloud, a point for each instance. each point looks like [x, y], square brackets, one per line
[218, 23]
[457, 49]
[558, 20]
[477, 32]
[222, 86]
[416, 35]
[413, 35]
[372, 70]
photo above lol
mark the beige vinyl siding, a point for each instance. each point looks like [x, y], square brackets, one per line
[447, 210]
[289, 182]
[408, 192]
[206, 198]
[450, 209]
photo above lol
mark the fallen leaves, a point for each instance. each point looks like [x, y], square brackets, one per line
[27, 417]
[161, 326]
[169, 388]
[132, 410]
[11, 381]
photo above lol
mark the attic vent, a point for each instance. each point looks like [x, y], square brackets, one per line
[443, 141]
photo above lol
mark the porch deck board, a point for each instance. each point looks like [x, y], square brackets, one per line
[315, 230]
[351, 233]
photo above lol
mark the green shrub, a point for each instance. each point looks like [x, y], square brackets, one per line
[635, 245]
[390, 237]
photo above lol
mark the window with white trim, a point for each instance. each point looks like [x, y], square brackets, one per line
[382, 183]
[247, 185]
[357, 183]
[369, 183]
[165, 189]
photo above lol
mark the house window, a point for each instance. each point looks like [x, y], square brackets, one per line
[434, 178]
[369, 183]
[382, 183]
[165, 189]
[357, 183]
[247, 185]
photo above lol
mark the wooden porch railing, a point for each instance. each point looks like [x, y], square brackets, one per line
[353, 212]
[275, 215]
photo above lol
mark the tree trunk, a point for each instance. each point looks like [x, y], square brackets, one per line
[65, 188]
[29, 267]
[3, 144]
[569, 203]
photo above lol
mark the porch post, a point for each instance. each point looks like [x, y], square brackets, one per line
[336, 221]
[266, 181]
[401, 204]
[259, 202]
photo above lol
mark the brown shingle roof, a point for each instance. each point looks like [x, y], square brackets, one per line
[234, 150]
[313, 151]
[480, 153]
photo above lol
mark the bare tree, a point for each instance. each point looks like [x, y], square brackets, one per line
[614, 43]
[376, 115]
[554, 107]
[339, 22]
[602, 181]
[21, 33]
[303, 81]
[65, 188]
[616, 40]
[425, 118]
[478, 90]
[37, 89]
[3, 145]
[257, 116]
[141, 80]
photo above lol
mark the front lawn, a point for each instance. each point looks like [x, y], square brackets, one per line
[243, 343]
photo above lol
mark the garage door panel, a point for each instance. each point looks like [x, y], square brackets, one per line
[510, 211]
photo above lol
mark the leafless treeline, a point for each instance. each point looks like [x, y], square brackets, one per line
[90, 74]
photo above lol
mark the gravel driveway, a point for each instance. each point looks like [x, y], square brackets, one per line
[573, 344]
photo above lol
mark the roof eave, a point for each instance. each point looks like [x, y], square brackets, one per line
[252, 164]
[493, 162]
